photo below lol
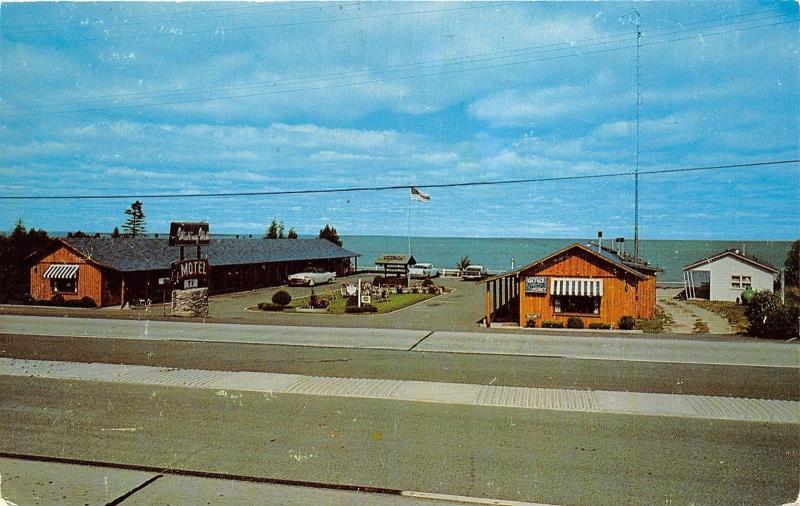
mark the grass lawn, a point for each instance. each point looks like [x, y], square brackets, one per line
[396, 301]
[731, 311]
[656, 325]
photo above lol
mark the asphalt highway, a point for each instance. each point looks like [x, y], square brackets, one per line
[500, 453]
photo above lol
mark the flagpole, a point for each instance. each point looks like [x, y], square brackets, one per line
[409, 219]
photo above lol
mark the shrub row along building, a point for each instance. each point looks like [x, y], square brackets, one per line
[115, 271]
[596, 284]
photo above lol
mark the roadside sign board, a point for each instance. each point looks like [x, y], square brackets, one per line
[191, 269]
[189, 283]
[163, 281]
[536, 284]
[184, 233]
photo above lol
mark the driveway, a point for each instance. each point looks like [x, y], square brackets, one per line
[687, 316]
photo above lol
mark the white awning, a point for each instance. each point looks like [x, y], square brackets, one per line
[61, 271]
[587, 287]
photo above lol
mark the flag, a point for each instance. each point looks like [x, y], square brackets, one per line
[418, 195]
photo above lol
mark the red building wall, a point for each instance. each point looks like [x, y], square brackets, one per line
[90, 277]
[620, 290]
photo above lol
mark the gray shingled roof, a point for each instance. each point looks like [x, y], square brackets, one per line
[144, 254]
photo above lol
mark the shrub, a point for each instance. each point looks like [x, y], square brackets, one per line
[377, 280]
[433, 290]
[574, 322]
[57, 300]
[600, 326]
[351, 302]
[530, 323]
[627, 323]
[427, 282]
[769, 319]
[317, 302]
[266, 306]
[87, 302]
[282, 297]
[552, 325]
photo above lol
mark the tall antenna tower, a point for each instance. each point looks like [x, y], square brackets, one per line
[638, 20]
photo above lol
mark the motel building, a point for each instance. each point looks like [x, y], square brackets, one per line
[115, 271]
[597, 284]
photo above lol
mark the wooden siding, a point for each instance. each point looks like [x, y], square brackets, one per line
[90, 277]
[623, 293]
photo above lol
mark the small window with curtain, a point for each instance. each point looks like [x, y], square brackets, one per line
[741, 282]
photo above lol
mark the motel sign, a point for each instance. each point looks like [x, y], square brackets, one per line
[190, 273]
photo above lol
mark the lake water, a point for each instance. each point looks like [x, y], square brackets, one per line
[496, 254]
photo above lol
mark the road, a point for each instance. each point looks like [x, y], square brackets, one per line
[541, 419]
[567, 457]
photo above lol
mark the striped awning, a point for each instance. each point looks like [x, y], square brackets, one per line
[588, 287]
[61, 271]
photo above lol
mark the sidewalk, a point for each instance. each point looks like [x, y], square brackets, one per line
[685, 406]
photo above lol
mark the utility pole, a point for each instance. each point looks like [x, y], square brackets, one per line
[638, 21]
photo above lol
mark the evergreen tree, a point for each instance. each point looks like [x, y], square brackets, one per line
[272, 230]
[330, 234]
[115, 234]
[292, 234]
[14, 268]
[134, 224]
[281, 231]
[792, 265]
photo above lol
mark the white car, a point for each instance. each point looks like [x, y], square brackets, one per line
[311, 277]
[423, 271]
[473, 272]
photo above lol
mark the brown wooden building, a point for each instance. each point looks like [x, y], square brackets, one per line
[115, 271]
[595, 284]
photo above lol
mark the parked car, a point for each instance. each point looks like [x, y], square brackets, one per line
[423, 271]
[473, 272]
[311, 277]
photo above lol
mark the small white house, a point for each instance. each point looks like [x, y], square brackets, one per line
[725, 275]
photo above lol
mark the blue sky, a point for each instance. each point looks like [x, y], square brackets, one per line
[111, 98]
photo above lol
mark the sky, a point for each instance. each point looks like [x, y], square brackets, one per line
[180, 98]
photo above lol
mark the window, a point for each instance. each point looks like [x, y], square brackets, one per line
[741, 282]
[576, 304]
[61, 285]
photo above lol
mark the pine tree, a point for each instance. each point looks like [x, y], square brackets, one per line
[272, 230]
[134, 224]
[330, 234]
[292, 234]
[115, 234]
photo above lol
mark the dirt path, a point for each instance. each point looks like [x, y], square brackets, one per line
[690, 319]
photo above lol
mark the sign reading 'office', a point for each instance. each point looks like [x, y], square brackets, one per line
[183, 233]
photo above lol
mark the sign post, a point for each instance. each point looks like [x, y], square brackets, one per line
[189, 278]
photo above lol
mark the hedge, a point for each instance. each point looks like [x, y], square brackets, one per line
[574, 322]
[600, 326]
[627, 323]
[266, 306]
[552, 325]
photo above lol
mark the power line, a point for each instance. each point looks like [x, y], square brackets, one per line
[396, 187]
